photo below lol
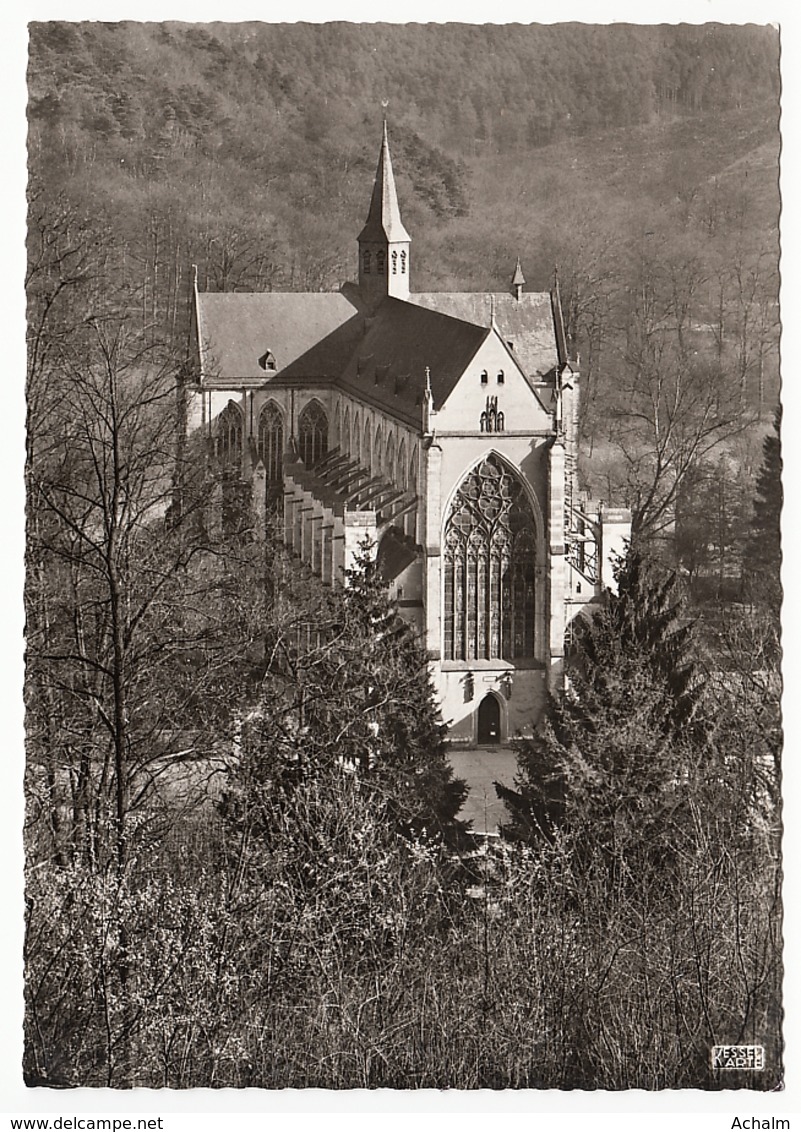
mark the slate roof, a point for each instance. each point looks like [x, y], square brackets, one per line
[384, 218]
[399, 342]
[395, 553]
[528, 323]
[380, 358]
[237, 328]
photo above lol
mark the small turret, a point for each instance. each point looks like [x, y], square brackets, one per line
[518, 281]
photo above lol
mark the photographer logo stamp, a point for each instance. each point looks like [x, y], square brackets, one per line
[738, 1057]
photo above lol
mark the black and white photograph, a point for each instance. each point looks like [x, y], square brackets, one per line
[403, 597]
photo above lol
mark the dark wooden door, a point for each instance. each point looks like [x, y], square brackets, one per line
[489, 721]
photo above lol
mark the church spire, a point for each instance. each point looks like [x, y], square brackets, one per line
[384, 218]
[384, 242]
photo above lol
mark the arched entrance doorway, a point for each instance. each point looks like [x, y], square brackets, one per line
[489, 721]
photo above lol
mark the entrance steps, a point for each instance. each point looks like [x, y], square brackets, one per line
[480, 767]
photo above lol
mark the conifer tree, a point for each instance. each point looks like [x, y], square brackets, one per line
[618, 744]
[763, 554]
[352, 695]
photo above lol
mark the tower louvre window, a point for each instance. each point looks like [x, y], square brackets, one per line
[489, 568]
[501, 377]
[394, 263]
[368, 261]
[403, 263]
[484, 377]
[380, 262]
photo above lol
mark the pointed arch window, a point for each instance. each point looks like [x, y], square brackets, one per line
[377, 453]
[368, 261]
[270, 442]
[357, 437]
[367, 454]
[230, 429]
[400, 475]
[345, 442]
[411, 524]
[489, 568]
[389, 462]
[313, 434]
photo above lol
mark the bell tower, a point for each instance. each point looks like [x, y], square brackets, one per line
[384, 260]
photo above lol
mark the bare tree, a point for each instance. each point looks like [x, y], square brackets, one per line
[134, 609]
[674, 404]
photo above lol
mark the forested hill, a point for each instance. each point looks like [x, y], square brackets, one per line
[251, 147]
[464, 86]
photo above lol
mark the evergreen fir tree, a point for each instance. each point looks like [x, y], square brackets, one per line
[618, 744]
[355, 698]
[763, 554]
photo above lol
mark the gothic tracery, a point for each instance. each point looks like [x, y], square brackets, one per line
[229, 437]
[489, 568]
[270, 442]
[313, 433]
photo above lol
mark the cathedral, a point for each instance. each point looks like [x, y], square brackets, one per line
[441, 426]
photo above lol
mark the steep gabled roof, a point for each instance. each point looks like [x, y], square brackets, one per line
[236, 329]
[527, 322]
[384, 218]
[400, 341]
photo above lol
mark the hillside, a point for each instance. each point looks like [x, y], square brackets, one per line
[250, 132]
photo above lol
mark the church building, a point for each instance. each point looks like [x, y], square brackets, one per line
[443, 426]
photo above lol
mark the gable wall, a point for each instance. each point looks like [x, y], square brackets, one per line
[515, 398]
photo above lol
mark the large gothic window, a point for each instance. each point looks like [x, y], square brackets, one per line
[489, 568]
[271, 440]
[313, 434]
